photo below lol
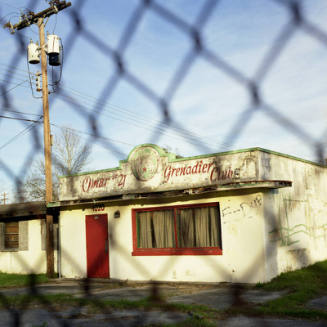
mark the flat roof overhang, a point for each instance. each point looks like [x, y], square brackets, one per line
[25, 209]
[231, 186]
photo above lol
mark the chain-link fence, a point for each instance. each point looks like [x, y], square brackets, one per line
[191, 30]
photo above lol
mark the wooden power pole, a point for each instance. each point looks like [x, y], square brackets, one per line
[27, 20]
[47, 151]
[4, 197]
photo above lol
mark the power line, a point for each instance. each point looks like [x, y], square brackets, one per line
[132, 119]
[13, 68]
[7, 91]
[11, 81]
[24, 131]
[55, 125]
[12, 73]
[2, 81]
[90, 134]
[135, 121]
[73, 129]
[28, 128]
[24, 113]
[154, 126]
[23, 119]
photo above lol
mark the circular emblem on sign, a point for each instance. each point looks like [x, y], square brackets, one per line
[144, 163]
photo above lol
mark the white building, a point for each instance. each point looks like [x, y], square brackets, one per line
[240, 216]
[23, 238]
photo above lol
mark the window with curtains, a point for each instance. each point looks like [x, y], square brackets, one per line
[178, 230]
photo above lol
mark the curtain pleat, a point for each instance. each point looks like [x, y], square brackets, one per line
[163, 222]
[198, 227]
[186, 228]
[145, 229]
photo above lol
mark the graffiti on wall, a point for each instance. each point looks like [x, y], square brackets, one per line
[295, 227]
[245, 208]
[287, 236]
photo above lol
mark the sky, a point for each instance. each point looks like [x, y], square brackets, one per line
[210, 107]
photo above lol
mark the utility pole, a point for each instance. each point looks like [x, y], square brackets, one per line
[4, 197]
[26, 20]
[47, 151]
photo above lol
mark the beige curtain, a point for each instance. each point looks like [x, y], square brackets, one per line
[144, 229]
[186, 229]
[202, 220]
[163, 222]
[156, 229]
[215, 227]
[198, 227]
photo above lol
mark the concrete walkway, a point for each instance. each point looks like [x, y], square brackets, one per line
[215, 296]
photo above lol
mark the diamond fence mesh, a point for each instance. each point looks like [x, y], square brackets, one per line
[161, 102]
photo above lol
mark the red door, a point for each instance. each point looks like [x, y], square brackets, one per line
[97, 247]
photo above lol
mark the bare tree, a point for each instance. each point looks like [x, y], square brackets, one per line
[69, 156]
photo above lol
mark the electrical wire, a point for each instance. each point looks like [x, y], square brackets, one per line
[134, 118]
[24, 131]
[30, 80]
[135, 121]
[24, 113]
[11, 81]
[7, 91]
[90, 134]
[55, 25]
[33, 125]
[16, 118]
[11, 67]
[13, 73]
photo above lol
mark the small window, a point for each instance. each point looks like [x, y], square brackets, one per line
[14, 236]
[11, 235]
[177, 230]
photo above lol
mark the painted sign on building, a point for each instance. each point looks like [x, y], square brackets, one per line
[150, 168]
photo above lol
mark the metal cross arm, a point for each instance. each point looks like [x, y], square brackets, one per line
[32, 18]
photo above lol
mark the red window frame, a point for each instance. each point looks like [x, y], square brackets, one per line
[174, 251]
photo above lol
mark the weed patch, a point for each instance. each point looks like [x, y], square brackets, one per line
[19, 280]
[304, 285]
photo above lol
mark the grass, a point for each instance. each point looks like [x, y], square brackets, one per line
[19, 280]
[303, 285]
[199, 315]
[312, 279]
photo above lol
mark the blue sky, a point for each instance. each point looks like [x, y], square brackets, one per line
[207, 103]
